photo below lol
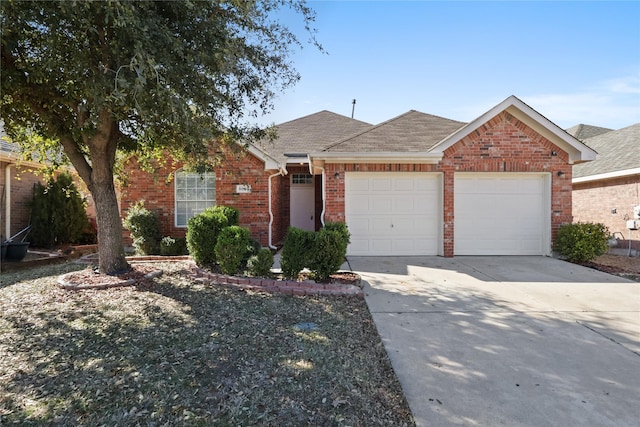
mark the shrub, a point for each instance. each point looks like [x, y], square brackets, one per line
[203, 230]
[170, 246]
[341, 228]
[252, 249]
[58, 213]
[232, 214]
[581, 242]
[231, 247]
[298, 244]
[259, 265]
[145, 229]
[329, 250]
[89, 235]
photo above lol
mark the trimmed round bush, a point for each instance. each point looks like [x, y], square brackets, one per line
[231, 247]
[298, 245]
[341, 228]
[203, 230]
[582, 241]
[145, 229]
[259, 265]
[329, 250]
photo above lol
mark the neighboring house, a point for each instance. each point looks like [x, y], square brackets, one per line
[17, 179]
[414, 185]
[607, 189]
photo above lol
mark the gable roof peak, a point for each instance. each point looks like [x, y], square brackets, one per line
[318, 115]
[578, 151]
[583, 131]
[412, 131]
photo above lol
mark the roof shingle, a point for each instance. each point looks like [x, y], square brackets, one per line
[409, 132]
[618, 150]
[583, 132]
[311, 133]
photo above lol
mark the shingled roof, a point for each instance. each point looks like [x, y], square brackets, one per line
[311, 133]
[618, 150]
[583, 132]
[409, 132]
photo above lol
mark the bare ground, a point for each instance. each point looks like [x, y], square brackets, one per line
[620, 265]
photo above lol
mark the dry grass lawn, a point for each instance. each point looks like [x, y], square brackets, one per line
[176, 352]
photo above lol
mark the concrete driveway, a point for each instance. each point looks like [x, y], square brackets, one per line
[513, 341]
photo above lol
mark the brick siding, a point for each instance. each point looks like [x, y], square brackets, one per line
[503, 144]
[240, 168]
[23, 179]
[595, 201]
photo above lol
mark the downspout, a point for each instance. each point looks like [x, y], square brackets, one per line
[282, 172]
[324, 186]
[7, 201]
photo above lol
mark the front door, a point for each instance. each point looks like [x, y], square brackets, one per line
[302, 201]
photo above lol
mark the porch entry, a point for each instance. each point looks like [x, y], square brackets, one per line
[302, 201]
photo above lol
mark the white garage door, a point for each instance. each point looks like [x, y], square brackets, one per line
[393, 213]
[502, 214]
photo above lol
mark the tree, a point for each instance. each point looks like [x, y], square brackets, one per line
[98, 79]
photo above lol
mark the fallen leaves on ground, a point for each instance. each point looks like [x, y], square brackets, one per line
[173, 351]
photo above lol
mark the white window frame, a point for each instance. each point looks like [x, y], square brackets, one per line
[301, 179]
[178, 199]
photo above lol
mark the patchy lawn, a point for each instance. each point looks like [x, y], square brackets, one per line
[175, 352]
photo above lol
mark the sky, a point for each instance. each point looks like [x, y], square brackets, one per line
[574, 62]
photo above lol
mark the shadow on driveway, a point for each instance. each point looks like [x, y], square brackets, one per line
[518, 341]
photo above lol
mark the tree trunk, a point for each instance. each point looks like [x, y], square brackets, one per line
[111, 259]
[110, 246]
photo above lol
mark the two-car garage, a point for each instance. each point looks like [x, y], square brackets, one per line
[401, 213]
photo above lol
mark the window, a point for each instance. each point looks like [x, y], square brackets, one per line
[301, 178]
[194, 193]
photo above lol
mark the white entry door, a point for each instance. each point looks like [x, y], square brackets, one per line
[502, 213]
[393, 213]
[302, 199]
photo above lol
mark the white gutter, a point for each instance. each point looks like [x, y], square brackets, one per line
[281, 171]
[324, 188]
[608, 175]
[7, 200]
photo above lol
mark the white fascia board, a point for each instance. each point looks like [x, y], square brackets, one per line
[269, 162]
[11, 159]
[298, 160]
[578, 152]
[377, 157]
[608, 175]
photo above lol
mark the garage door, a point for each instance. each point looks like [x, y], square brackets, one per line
[502, 214]
[393, 213]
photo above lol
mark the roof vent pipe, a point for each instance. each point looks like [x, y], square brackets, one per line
[353, 108]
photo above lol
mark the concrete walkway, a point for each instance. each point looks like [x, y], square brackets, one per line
[514, 341]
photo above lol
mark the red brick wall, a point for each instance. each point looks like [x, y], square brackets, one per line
[239, 168]
[503, 144]
[23, 179]
[594, 201]
[22, 182]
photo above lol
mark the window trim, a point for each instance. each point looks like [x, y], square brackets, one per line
[183, 175]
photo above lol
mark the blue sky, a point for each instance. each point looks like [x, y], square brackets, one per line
[574, 62]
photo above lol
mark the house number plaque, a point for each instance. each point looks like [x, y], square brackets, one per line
[243, 188]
